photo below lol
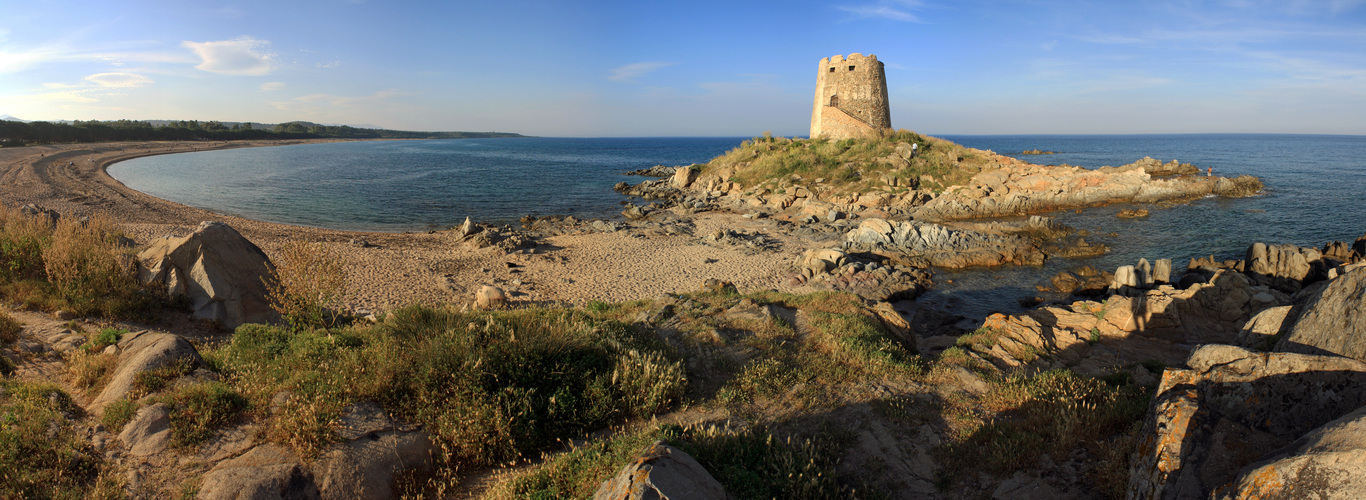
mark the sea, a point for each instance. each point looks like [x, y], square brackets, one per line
[1315, 191]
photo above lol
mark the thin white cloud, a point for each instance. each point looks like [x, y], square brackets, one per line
[239, 56]
[893, 10]
[272, 86]
[329, 65]
[630, 72]
[119, 80]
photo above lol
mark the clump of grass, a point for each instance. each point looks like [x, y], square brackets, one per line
[579, 472]
[91, 369]
[1023, 418]
[981, 339]
[197, 411]
[490, 386]
[117, 414]
[307, 285]
[151, 381]
[41, 452]
[9, 329]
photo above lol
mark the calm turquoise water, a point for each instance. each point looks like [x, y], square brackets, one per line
[1315, 190]
[1315, 193]
[399, 186]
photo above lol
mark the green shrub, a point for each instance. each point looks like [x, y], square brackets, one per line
[754, 464]
[41, 453]
[198, 410]
[490, 386]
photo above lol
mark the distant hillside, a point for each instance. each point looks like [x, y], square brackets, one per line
[18, 133]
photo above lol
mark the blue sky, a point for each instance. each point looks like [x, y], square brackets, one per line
[698, 68]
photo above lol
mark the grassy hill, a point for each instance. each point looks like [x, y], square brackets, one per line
[851, 165]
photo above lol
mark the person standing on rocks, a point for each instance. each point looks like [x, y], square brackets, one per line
[915, 147]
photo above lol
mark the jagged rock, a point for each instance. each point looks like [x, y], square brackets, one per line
[1329, 462]
[1132, 213]
[941, 246]
[467, 228]
[1158, 324]
[1264, 328]
[635, 213]
[661, 471]
[655, 171]
[221, 271]
[140, 352]
[148, 432]
[375, 449]
[1229, 409]
[490, 297]
[1162, 271]
[683, 178]
[1333, 321]
[267, 471]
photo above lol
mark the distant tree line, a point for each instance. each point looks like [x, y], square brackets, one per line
[15, 133]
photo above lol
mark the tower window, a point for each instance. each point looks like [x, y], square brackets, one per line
[832, 69]
[851, 68]
[835, 100]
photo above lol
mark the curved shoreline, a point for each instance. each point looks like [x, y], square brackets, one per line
[398, 269]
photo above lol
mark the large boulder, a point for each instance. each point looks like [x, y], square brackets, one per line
[374, 449]
[266, 472]
[149, 432]
[1329, 462]
[1229, 410]
[140, 352]
[661, 472]
[1333, 320]
[222, 273]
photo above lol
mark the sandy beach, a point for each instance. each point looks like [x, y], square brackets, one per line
[398, 269]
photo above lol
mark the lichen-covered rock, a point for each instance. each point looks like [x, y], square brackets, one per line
[1333, 320]
[1229, 409]
[1328, 463]
[222, 272]
[661, 471]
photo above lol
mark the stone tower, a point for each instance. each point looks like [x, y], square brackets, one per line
[851, 98]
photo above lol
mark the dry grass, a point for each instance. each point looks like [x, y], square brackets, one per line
[9, 329]
[307, 285]
[76, 265]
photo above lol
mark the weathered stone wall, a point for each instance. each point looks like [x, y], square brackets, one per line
[856, 85]
[836, 124]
